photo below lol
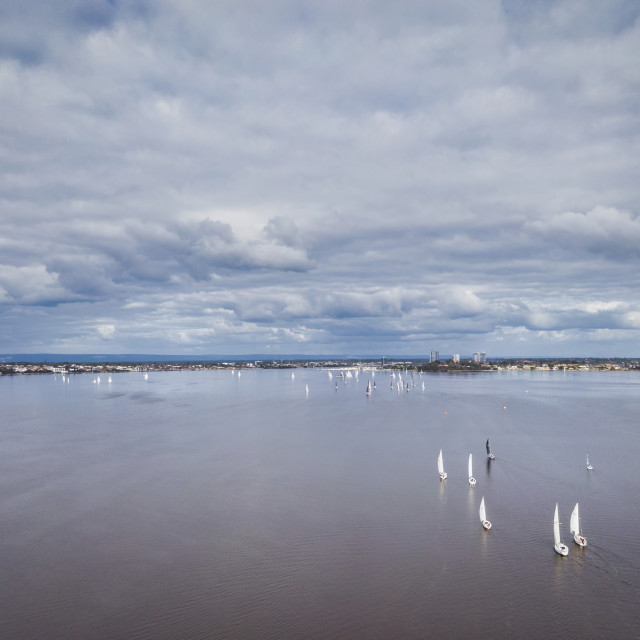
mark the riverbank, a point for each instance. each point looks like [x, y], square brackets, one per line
[422, 366]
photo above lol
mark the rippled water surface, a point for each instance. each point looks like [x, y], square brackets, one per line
[213, 505]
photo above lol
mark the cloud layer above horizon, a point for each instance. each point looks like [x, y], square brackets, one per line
[248, 177]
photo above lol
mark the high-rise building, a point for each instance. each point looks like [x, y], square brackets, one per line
[435, 356]
[479, 357]
[456, 357]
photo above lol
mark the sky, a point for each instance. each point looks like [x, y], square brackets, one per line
[361, 178]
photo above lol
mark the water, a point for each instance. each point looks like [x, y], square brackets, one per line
[208, 505]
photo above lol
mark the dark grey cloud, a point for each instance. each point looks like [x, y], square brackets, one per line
[209, 177]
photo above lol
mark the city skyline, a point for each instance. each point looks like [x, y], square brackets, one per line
[236, 178]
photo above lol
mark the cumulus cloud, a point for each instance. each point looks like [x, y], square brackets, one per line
[601, 230]
[460, 302]
[106, 331]
[31, 285]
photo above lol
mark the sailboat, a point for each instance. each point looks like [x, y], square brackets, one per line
[441, 470]
[483, 515]
[489, 454]
[560, 547]
[589, 467]
[574, 527]
[369, 388]
[472, 480]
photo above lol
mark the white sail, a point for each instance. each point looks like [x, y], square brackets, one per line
[574, 525]
[556, 527]
[440, 463]
[369, 387]
[470, 467]
[483, 512]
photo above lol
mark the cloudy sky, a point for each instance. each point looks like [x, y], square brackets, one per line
[366, 178]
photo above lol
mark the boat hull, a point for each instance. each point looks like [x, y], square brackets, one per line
[443, 475]
[561, 548]
[486, 524]
[581, 541]
[472, 481]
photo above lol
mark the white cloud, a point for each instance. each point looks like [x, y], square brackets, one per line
[605, 230]
[460, 302]
[31, 285]
[106, 331]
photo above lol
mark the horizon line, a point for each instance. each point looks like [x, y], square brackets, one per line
[279, 356]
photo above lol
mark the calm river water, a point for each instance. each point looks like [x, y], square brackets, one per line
[217, 505]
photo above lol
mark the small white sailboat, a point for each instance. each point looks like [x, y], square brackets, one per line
[369, 388]
[589, 467]
[574, 527]
[472, 480]
[559, 546]
[306, 389]
[146, 376]
[489, 454]
[483, 515]
[441, 470]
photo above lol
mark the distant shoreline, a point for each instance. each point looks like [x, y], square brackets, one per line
[421, 366]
